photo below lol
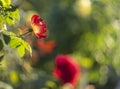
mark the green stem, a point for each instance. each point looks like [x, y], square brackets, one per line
[26, 33]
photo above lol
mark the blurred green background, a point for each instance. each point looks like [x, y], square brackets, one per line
[89, 30]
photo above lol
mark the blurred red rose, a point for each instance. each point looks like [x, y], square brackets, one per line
[67, 69]
[46, 47]
[38, 26]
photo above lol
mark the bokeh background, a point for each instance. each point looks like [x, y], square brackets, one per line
[88, 30]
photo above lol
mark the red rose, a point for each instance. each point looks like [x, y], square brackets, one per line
[67, 69]
[46, 47]
[38, 26]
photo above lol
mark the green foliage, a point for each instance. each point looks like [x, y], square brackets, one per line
[1, 57]
[20, 44]
[6, 38]
[51, 84]
[21, 50]
[1, 45]
[12, 17]
[6, 3]
[9, 14]
[2, 21]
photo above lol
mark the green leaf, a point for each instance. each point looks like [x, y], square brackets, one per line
[2, 21]
[6, 38]
[27, 46]
[51, 84]
[15, 42]
[6, 3]
[0, 3]
[11, 34]
[1, 57]
[12, 17]
[21, 50]
[1, 44]
[21, 45]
